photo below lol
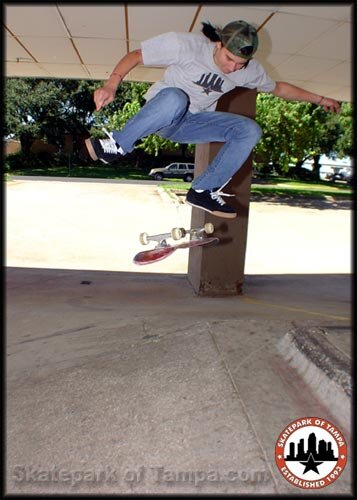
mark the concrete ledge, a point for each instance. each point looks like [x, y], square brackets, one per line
[325, 368]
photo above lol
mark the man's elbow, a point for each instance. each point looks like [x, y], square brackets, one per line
[277, 91]
[137, 56]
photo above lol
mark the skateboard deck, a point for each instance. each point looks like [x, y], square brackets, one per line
[198, 237]
[161, 252]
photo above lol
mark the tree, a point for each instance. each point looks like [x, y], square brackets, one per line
[296, 131]
[50, 109]
[344, 144]
[47, 109]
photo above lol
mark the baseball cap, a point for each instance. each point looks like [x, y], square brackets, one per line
[240, 38]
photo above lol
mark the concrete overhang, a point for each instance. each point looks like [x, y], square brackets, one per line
[306, 45]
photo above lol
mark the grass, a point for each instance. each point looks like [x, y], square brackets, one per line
[300, 188]
[175, 185]
[86, 172]
[284, 187]
[272, 186]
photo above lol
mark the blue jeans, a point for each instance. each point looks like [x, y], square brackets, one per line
[167, 115]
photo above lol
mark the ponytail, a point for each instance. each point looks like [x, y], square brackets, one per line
[210, 32]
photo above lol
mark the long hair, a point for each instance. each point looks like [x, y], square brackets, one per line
[210, 32]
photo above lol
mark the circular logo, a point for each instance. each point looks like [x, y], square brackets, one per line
[311, 453]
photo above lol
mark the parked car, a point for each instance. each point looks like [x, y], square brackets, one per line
[174, 171]
[330, 168]
[345, 174]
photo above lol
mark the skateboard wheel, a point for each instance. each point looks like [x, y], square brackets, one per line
[144, 238]
[209, 228]
[177, 233]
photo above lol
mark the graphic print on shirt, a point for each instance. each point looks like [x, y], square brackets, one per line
[210, 83]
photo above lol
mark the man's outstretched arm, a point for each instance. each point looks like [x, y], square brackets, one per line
[292, 93]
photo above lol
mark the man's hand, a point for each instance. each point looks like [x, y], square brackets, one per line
[330, 105]
[103, 96]
[106, 94]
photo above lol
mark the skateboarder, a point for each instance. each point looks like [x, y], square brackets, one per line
[181, 107]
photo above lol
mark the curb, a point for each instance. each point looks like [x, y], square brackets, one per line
[171, 198]
[325, 368]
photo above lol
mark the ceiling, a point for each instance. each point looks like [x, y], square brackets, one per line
[308, 45]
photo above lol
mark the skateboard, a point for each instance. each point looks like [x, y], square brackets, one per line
[198, 237]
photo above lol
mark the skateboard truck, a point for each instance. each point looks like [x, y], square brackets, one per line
[198, 237]
[177, 233]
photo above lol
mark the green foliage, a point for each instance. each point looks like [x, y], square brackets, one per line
[120, 117]
[21, 160]
[344, 144]
[49, 109]
[295, 131]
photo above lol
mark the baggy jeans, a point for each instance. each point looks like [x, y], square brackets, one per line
[167, 115]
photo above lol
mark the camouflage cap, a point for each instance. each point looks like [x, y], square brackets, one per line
[240, 38]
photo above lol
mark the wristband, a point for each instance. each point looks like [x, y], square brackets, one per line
[114, 73]
[320, 101]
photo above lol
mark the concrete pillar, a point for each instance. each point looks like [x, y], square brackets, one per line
[219, 270]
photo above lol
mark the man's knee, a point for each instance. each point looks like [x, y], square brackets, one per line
[174, 100]
[245, 128]
[255, 130]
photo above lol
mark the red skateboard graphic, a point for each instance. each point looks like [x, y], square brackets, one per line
[198, 238]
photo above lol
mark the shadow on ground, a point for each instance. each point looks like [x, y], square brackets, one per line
[327, 203]
[133, 371]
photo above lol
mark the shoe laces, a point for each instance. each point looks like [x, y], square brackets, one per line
[217, 196]
[109, 145]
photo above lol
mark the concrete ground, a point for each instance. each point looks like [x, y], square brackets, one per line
[121, 380]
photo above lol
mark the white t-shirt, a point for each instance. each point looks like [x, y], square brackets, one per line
[189, 57]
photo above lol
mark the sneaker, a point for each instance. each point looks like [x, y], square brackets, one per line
[105, 150]
[211, 201]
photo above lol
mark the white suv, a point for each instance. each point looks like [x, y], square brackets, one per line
[174, 170]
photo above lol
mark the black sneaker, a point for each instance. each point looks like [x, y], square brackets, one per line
[105, 150]
[211, 201]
